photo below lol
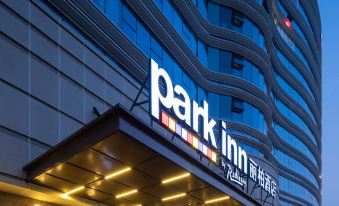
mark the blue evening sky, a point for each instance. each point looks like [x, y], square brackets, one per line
[329, 11]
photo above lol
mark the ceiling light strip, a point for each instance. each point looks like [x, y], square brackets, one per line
[175, 178]
[173, 197]
[117, 173]
[216, 200]
[126, 194]
[75, 190]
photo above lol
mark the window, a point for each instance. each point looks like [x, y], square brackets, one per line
[237, 62]
[237, 105]
[264, 4]
[237, 18]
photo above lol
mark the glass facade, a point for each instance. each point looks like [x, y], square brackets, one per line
[301, 33]
[297, 190]
[295, 142]
[294, 94]
[202, 7]
[294, 71]
[222, 108]
[293, 117]
[175, 18]
[222, 62]
[294, 48]
[294, 165]
[228, 18]
[289, 186]
[241, 133]
[251, 150]
[301, 10]
[234, 108]
[304, 15]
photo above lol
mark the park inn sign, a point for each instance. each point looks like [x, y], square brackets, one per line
[192, 121]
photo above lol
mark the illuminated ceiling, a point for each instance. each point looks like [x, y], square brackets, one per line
[114, 168]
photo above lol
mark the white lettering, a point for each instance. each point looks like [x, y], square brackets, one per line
[233, 152]
[156, 96]
[177, 103]
[176, 98]
[242, 160]
[169, 101]
[232, 144]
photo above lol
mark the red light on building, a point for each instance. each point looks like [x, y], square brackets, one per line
[288, 23]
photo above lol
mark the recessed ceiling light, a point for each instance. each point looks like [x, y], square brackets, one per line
[75, 190]
[217, 200]
[175, 178]
[126, 193]
[173, 197]
[117, 173]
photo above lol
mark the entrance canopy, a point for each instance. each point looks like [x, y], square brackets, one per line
[119, 160]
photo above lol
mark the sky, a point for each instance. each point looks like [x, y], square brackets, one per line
[329, 10]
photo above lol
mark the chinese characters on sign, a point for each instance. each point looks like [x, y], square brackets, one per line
[263, 179]
[257, 174]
